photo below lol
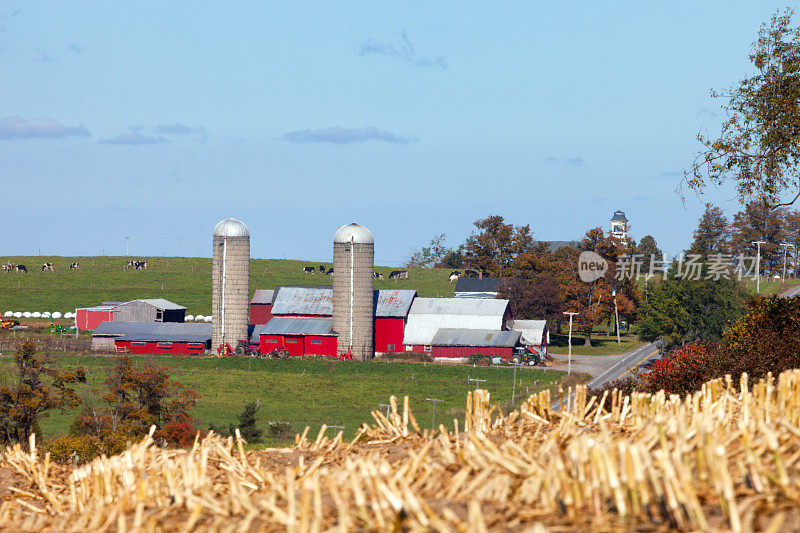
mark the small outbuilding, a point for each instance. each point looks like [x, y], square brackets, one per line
[534, 334]
[88, 318]
[391, 311]
[150, 310]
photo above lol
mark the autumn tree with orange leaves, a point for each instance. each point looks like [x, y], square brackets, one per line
[37, 389]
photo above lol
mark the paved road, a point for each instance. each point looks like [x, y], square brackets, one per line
[605, 368]
[794, 291]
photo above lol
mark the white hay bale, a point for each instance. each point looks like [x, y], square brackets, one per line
[199, 318]
[36, 314]
[17, 315]
[9, 313]
[189, 318]
[46, 314]
[207, 319]
[26, 314]
[56, 315]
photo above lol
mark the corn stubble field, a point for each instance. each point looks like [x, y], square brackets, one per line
[183, 280]
[724, 458]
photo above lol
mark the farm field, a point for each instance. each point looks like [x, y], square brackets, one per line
[601, 344]
[183, 280]
[311, 392]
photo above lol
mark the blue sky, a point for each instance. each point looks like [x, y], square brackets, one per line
[156, 120]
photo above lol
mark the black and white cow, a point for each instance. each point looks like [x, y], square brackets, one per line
[330, 272]
[74, 266]
[308, 270]
[49, 266]
[398, 274]
[22, 268]
[454, 275]
[377, 275]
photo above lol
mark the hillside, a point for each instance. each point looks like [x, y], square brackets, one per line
[184, 280]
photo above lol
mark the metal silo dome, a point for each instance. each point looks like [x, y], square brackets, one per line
[353, 233]
[230, 227]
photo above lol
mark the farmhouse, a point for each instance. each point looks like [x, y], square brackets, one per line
[477, 287]
[152, 337]
[429, 315]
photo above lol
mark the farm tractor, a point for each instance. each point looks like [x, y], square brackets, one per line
[528, 356]
[58, 328]
[244, 347]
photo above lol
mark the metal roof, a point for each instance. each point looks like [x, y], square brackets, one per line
[164, 338]
[160, 303]
[619, 215]
[262, 296]
[355, 232]
[172, 329]
[284, 325]
[230, 227]
[303, 301]
[428, 315]
[477, 284]
[474, 337]
[393, 302]
[533, 331]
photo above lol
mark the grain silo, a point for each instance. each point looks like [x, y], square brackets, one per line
[230, 277]
[353, 266]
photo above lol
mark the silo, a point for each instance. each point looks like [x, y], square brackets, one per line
[230, 278]
[353, 314]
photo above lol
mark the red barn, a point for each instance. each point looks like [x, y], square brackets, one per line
[261, 307]
[88, 318]
[300, 336]
[461, 343]
[391, 310]
[152, 337]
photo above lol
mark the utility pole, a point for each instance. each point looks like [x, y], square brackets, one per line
[785, 247]
[433, 420]
[476, 380]
[127, 247]
[758, 264]
[616, 313]
[569, 357]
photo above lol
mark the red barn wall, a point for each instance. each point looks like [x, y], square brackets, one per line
[152, 347]
[270, 342]
[389, 331]
[89, 319]
[260, 313]
[466, 351]
[319, 345]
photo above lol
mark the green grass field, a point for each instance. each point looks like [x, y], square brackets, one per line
[183, 280]
[601, 344]
[313, 392]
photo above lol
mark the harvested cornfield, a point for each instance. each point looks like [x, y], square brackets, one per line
[724, 458]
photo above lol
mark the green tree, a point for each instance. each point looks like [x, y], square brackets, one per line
[648, 248]
[431, 255]
[759, 222]
[711, 235]
[30, 398]
[759, 145]
[679, 310]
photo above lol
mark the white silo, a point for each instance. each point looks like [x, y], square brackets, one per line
[353, 267]
[230, 277]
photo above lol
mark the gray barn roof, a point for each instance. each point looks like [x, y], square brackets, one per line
[303, 301]
[167, 329]
[533, 331]
[393, 302]
[159, 303]
[284, 325]
[475, 337]
[263, 296]
[164, 338]
[428, 315]
[477, 284]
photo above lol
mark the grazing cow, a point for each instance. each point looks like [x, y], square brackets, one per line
[8, 267]
[137, 265]
[49, 266]
[377, 275]
[308, 270]
[330, 272]
[322, 269]
[74, 266]
[398, 274]
[453, 277]
[470, 274]
[22, 268]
